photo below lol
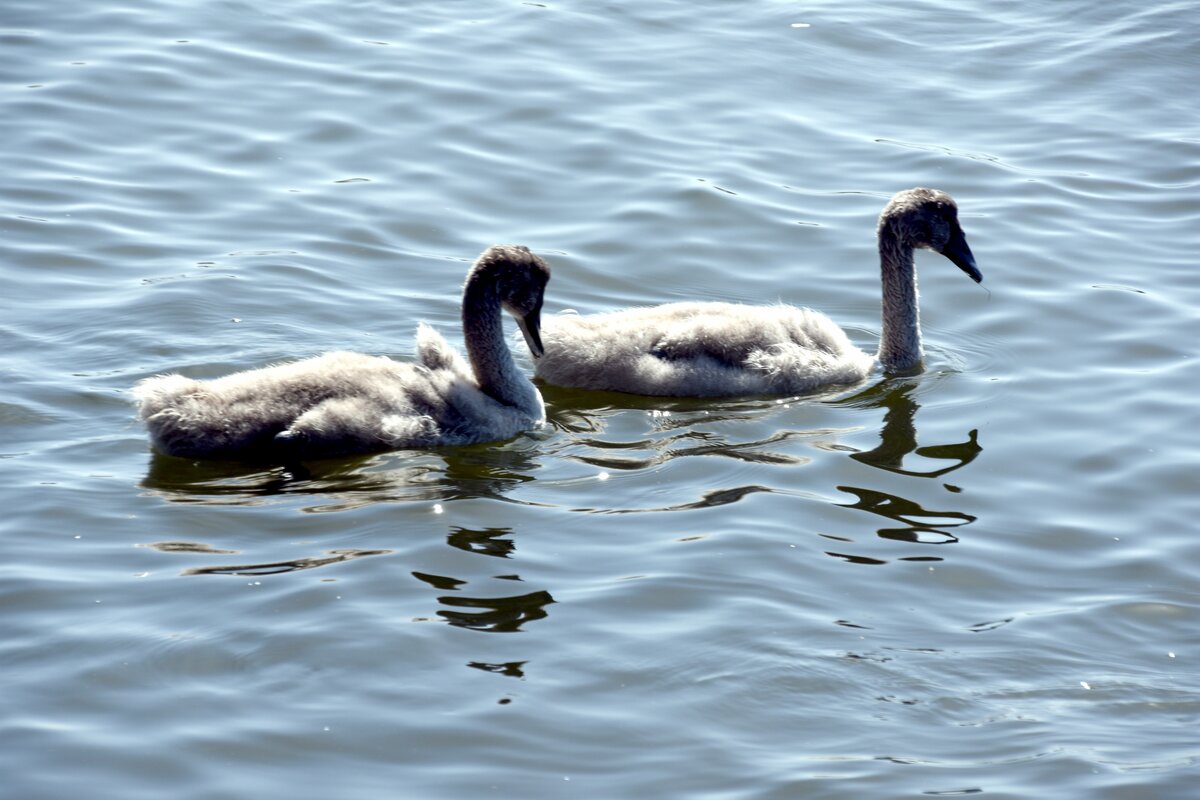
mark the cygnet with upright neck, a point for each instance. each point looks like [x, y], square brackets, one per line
[713, 349]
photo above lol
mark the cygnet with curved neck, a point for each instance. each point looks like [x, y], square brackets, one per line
[345, 403]
[712, 349]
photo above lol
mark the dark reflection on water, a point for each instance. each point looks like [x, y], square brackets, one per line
[482, 471]
[682, 445]
[496, 614]
[501, 614]
[188, 547]
[513, 669]
[717, 497]
[678, 423]
[898, 439]
[487, 470]
[675, 420]
[580, 411]
[291, 565]
[439, 581]
[921, 525]
[486, 542]
[235, 483]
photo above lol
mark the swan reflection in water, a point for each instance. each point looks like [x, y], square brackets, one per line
[497, 612]
[290, 565]
[426, 477]
[493, 472]
[491, 614]
[478, 471]
[898, 440]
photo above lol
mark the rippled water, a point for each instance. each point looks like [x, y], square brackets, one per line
[980, 580]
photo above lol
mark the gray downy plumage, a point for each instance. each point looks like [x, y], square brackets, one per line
[344, 403]
[712, 349]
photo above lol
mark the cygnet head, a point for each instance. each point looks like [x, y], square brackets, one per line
[518, 277]
[927, 218]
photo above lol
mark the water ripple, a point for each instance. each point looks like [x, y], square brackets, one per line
[211, 188]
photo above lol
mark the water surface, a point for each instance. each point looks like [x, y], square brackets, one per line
[978, 580]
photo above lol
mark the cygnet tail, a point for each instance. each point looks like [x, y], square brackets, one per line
[164, 391]
[434, 352]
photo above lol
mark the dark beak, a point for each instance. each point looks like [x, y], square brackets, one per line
[957, 251]
[531, 329]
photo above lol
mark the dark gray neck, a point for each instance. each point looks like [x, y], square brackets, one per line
[483, 332]
[900, 346]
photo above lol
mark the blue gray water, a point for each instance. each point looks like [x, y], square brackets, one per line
[981, 580]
